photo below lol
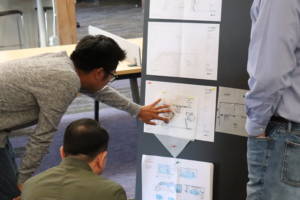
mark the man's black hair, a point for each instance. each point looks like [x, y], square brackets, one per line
[97, 52]
[85, 137]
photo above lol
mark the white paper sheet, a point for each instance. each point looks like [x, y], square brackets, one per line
[183, 50]
[205, 10]
[193, 109]
[231, 114]
[166, 178]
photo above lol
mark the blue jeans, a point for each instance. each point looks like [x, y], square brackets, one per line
[274, 164]
[8, 173]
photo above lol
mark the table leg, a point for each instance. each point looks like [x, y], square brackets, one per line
[96, 109]
[134, 90]
[41, 23]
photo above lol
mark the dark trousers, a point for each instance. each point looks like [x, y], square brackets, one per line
[8, 173]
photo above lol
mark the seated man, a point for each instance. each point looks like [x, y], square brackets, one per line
[84, 154]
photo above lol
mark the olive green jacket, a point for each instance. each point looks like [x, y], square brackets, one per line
[72, 179]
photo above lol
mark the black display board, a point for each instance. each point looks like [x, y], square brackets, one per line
[227, 152]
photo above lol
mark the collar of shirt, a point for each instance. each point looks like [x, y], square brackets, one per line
[75, 162]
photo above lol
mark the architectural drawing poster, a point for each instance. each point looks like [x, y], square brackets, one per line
[231, 114]
[203, 10]
[166, 178]
[187, 50]
[193, 110]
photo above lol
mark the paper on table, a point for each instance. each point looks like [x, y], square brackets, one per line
[205, 10]
[183, 50]
[166, 178]
[193, 107]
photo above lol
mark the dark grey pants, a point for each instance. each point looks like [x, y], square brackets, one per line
[9, 169]
[8, 173]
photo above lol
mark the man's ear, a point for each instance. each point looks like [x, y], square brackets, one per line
[102, 157]
[62, 153]
[99, 74]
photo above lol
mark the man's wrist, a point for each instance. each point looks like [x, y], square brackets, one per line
[262, 135]
[254, 129]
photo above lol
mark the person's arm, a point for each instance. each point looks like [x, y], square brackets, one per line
[112, 97]
[274, 39]
[52, 105]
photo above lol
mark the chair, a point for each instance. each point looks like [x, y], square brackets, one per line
[20, 22]
[46, 9]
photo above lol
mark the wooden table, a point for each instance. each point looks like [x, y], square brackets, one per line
[124, 70]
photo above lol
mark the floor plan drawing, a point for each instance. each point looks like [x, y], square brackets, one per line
[185, 180]
[231, 115]
[188, 173]
[183, 117]
[193, 114]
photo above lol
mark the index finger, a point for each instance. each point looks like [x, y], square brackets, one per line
[155, 102]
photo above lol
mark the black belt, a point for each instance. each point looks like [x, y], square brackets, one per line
[280, 119]
[287, 123]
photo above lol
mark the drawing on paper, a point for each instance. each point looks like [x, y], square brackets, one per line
[159, 197]
[183, 114]
[169, 187]
[190, 51]
[196, 6]
[164, 169]
[231, 115]
[165, 187]
[181, 6]
[173, 5]
[196, 191]
[181, 179]
[188, 173]
[209, 10]
[193, 113]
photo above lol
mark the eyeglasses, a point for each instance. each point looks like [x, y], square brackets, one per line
[113, 76]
